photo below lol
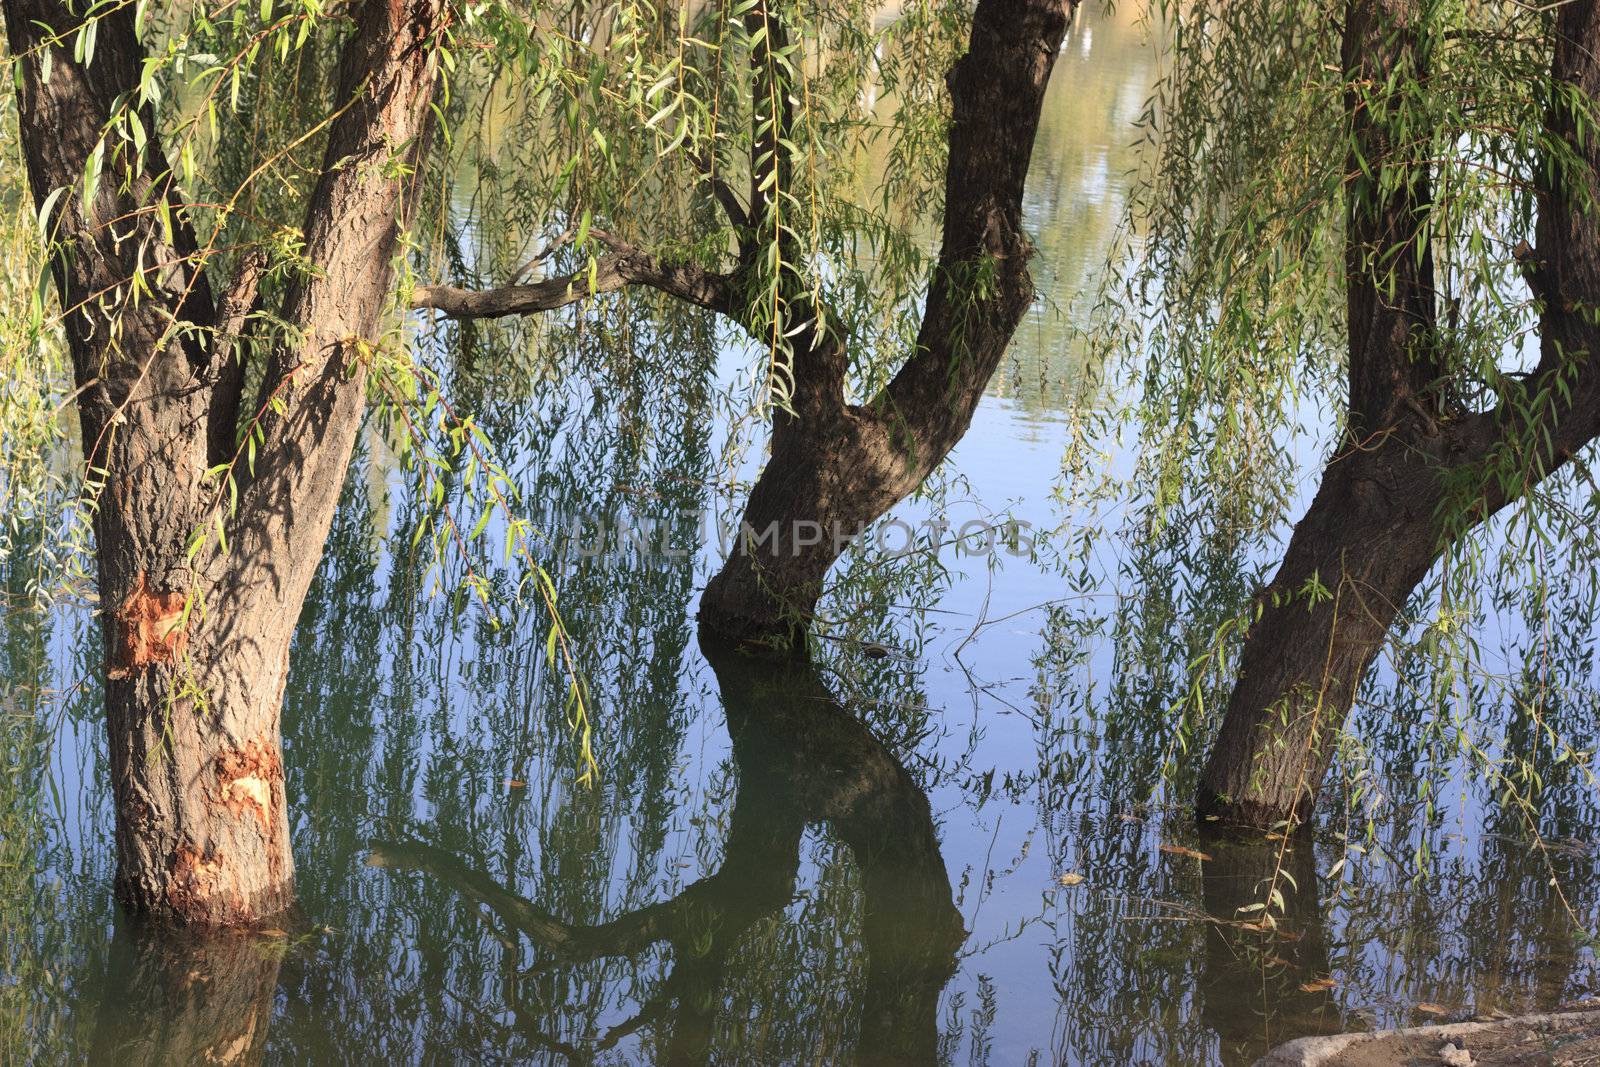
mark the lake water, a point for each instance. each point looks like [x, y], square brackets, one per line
[947, 841]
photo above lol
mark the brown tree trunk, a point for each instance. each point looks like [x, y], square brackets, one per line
[202, 828]
[826, 480]
[836, 468]
[1368, 539]
[1381, 517]
[197, 642]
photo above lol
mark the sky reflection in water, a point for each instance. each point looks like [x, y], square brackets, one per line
[859, 859]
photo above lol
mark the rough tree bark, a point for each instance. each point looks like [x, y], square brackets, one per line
[1381, 517]
[192, 698]
[842, 466]
[802, 759]
[836, 467]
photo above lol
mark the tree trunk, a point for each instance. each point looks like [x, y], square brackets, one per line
[197, 640]
[836, 467]
[1368, 539]
[1383, 515]
[825, 482]
[202, 825]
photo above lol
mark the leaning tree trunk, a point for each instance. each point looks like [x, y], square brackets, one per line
[836, 467]
[197, 639]
[827, 479]
[1367, 541]
[1386, 510]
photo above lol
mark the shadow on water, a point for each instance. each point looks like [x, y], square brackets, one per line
[800, 759]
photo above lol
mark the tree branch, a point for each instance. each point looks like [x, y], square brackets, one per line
[1395, 361]
[616, 270]
[316, 377]
[723, 193]
[1563, 270]
[225, 367]
[113, 230]
[981, 287]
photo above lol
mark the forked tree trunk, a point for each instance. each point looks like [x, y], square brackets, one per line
[835, 467]
[197, 642]
[1382, 517]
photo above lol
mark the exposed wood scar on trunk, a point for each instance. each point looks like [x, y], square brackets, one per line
[249, 781]
[195, 879]
[150, 629]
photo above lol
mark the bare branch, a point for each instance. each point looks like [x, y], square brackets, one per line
[624, 266]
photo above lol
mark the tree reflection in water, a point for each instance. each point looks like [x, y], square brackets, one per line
[801, 759]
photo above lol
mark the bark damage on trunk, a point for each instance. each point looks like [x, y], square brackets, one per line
[836, 467]
[197, 646]
[1390, 499]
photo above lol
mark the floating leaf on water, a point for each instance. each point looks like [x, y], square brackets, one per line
[1070, 878]
[1179, 850]
[1318, 985]
[516, 783]
[1430, 1008]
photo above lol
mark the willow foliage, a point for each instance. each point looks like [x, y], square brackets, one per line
[1237, 367]
[644, 117]
[1242, 217]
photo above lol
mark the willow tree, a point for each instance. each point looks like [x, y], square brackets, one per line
[1395, 200]
[818, 265]
[210, 504]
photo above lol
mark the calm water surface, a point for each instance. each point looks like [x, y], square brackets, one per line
[859, 861]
